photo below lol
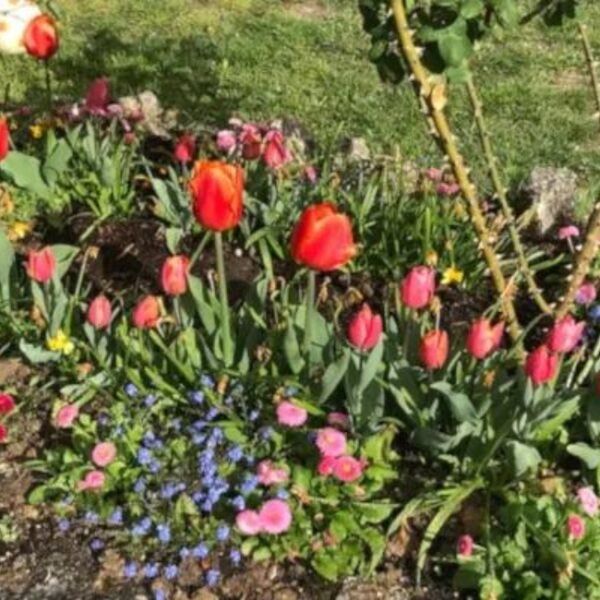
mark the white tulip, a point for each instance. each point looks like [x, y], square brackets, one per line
[15, 16]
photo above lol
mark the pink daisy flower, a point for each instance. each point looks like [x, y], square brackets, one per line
[331, 442]
[275, 516]
[290, 415]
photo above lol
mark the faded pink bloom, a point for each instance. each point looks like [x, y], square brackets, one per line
[588, 500]
[269, 474]
[97, 96]
[326, 465]
[251, 141]
[291, 415]
[66, 415]
[331, 442]
[104, 453]
[339, 419]
[275, 154]
[567, 232]
[434, 174]
[586, 294]
[448, 189]
[464, 546]
[226, 140]
[575, 527]
[185, 148]
[310, 174]
[565, 334]
[94, 480]
[275, 516]
[348, 469]
[248, 522]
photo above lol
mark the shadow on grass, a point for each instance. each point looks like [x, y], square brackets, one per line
[183, 73]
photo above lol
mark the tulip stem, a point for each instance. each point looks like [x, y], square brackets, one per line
[225, 327]
[308, 318]
[48, 76]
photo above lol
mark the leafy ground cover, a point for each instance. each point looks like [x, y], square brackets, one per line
[238, 361]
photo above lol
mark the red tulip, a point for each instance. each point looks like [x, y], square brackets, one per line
[365, 328]
[98, 96]
[173, 276]
[218, 194]
[146, 313]
[484, 337]
[565, 334]
[434, 349]
[541, 365]
[41, 37]
[185, 148]
[4, 139]
[41, 265]
[99, 312]
[418, 287]
[3, 433]
[251, 141]
[322, 239]
[275, 153]
[7, 404]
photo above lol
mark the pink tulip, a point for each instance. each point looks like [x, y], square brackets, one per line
[464, 546]
[364, 329]
[251, 141]
[588, 500]
[575, 527]
[331, 442]
[434, 174]
[248, 522]
[540, 365]
[185, 148]
[290, 415]
[94, 480]
[348, 469]
[433, 350]
[586, 294]
[275, 154]
[484, 338]
[41, 265]
[99, 312]
[448, 189]
[146, 313]
[66, 415]
[7, 404]
[269, 474]
[104, 453]
[275, 516]
[418, 287]
[226, 140]
[98, 96]
[174, 275]
[565, 334]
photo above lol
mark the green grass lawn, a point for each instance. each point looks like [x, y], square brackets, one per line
[265, 59]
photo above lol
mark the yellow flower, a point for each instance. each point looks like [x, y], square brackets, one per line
[431, 258]
[18, 230]
[452, 275]
[61, 343]
[36, 131]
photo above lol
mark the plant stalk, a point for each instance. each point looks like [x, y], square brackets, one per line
[225, 325]
[308, 317]
[429, 98]
[492, 164]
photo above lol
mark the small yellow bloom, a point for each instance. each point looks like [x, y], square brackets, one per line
[36, 131]
[452, 275]
[431, 258]
[7, 206]
[61, 343]
[18, 230]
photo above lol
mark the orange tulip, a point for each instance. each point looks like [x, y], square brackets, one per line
[322, 239]
[146, 313]
[173, 276]
[41, 265]
[217, 190]
[434, 349]
[484, 338]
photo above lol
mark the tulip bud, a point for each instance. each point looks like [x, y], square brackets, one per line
[4, 139]
[434, 349]
[275, 154]
[464, 546]
[541, 365]
[99, 312]
[418, 287]
[41, 38]
[97, 97]
[217, 190]
[146, 313]
[565, 334]
[484, 338]
[41, 265]
[251, 141]
[185, 148]
[364, 329]
[173, 276]
[322, 238]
